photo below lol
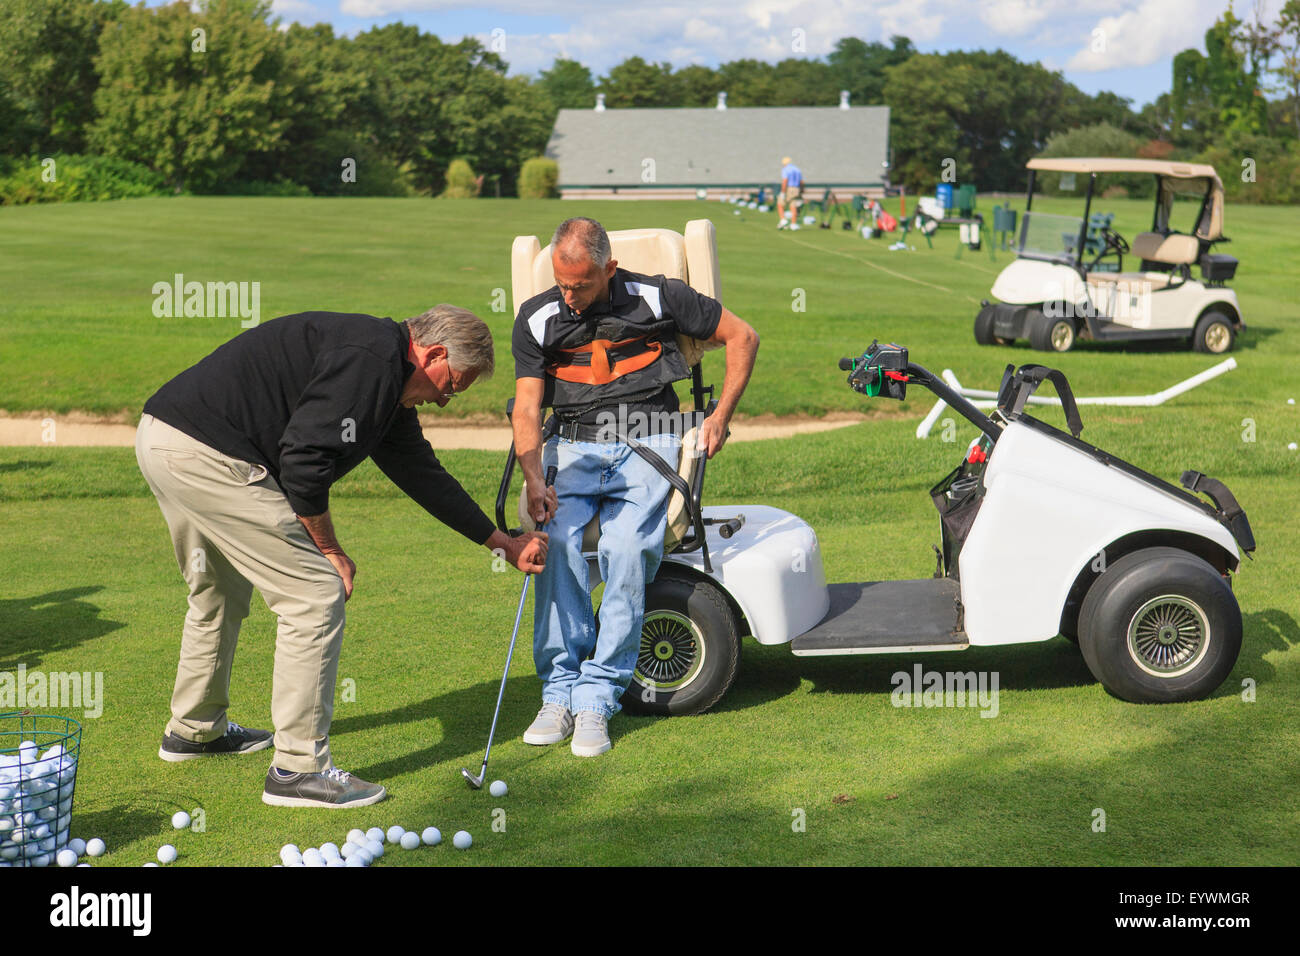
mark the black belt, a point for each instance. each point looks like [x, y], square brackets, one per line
[577, 431]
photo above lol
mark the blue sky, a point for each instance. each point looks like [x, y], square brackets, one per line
[1121, 45]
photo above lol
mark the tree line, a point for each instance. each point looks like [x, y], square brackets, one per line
[218, 98]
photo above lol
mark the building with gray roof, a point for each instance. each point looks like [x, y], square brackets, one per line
[675, 153]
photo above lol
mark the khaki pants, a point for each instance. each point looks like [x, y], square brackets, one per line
[233, 530]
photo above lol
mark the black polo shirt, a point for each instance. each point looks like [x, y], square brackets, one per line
[310, 396]
[545, 324]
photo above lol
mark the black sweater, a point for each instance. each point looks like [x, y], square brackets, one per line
[310, 396]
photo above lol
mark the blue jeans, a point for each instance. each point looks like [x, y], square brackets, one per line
[579, 669]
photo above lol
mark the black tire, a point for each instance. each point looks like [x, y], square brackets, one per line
[1215, 334]
[1160, 625]
[984, 328]
[1048, 334]
[690, 648]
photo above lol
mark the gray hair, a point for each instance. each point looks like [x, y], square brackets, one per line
[466, 337]
[590, 236]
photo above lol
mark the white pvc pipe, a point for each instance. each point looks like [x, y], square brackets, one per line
[979, 396]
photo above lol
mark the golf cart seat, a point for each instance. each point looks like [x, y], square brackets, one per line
[1154, 249]
[691, 256]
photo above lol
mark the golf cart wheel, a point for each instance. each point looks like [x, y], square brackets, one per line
[689, 651]
[1048, 334]
[984, 328]
[1160, 625]
[1214, 334]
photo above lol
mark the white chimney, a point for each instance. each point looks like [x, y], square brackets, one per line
[722, 101]
[600, 102]
[844, 99]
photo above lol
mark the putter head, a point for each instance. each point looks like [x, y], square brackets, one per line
[473, 781]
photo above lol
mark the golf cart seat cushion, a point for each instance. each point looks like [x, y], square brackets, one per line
[691, 257]
[1174, 249]
[679, 519]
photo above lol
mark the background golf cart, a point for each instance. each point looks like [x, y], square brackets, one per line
[1055, 292]
[1042, 534]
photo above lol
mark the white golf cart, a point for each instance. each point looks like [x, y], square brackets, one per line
[1066, 284]
[1042, 534]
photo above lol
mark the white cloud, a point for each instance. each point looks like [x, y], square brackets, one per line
[1014, 17]
[1156, 30]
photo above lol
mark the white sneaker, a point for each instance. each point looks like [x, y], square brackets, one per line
[794, 226]
[552, 724]
[591, 737]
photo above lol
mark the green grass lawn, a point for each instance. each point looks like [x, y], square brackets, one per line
[90, 583]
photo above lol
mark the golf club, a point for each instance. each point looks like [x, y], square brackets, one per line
[477, 782]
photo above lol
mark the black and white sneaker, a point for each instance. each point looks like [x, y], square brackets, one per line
[238, 740]
[333, 789]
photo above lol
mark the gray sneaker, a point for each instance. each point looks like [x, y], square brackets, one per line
[591, 738]
[553, 724]
[333, 789]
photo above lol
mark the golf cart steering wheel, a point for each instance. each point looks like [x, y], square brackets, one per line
[1114, 241]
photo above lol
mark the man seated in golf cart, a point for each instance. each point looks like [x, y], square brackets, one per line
[600, 347]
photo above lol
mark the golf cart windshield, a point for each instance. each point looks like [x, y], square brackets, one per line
[1047, 236]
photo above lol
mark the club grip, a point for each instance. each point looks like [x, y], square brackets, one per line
[846, 365]
[550, 476]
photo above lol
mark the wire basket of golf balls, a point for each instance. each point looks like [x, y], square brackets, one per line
[38, 775]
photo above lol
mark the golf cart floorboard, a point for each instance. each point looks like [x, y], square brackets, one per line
[882, 617]
[1106, 330]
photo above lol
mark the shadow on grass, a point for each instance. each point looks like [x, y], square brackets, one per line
[54, 621]
[23, 465]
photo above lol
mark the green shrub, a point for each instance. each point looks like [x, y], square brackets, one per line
[243, 187]
[461, 182]
[1101, 139]
[73, 178]
[1274, 165]
[538, 178]
[320, 166]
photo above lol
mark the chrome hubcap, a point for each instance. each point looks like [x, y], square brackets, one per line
[1168, 636]
[672, 651]
[1062, 336]
[1216, 337]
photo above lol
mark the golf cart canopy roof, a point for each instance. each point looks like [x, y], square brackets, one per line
[1174, 178]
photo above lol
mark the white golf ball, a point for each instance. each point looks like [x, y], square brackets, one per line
[431, 836]
[66, 858]
[1290, 401]
[336, 861]
[374, 833]
[364, 855]
[356, 859]
[498, 788]
[357, 836]
[77, 845]
[375, 848]
[410, 841]
[166, 853]
[462, 840]
[26, 752]
[290, 855]
[1291, 447]
[312, 857]
[94, 847]
[395, 833]
[330, 851]
[83, 864]
[180, 820]
[151, 863]
[347, 850]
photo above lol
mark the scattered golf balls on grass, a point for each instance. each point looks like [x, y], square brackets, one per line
[94, 847]
[66, 857]
[357, 836]
[462, 840]
[375, 849]
[180, 820]
[410, 841]
[498, 788]
[166, 853]
[431, 836]
[395, 834]
[374, 833]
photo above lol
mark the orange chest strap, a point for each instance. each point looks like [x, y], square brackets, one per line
[603, 361]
